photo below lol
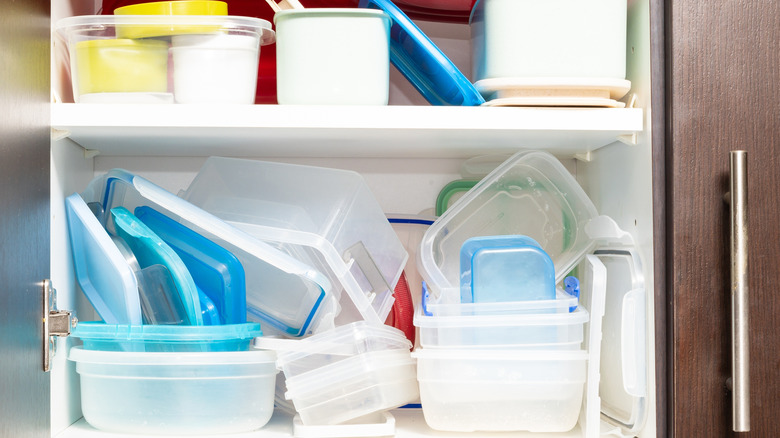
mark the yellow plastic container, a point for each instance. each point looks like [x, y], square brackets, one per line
[120, 66]
[172, 8]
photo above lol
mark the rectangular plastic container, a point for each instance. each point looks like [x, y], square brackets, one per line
[530, 194]
[125, 59]
[170, 338]
[176, 393]
[496, 390]
[354, 387]
[327, 218]
[557, 331]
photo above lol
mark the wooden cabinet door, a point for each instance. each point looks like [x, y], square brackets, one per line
[722, 94]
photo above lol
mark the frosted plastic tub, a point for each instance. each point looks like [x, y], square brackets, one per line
[176, 393]
[354, 387]
[494, 390]
[549, 39]
[327, 218]
[332, 56]
[125, 58]
[171, 338]
[530, 194]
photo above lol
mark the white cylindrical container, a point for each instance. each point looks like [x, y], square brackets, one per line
[217, 68]
[549, 38]
[332, 56]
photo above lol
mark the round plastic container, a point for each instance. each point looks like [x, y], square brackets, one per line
[332, 56]
[215, 68]
[176, 393]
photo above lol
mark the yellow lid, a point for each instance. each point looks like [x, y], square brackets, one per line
[181, 7]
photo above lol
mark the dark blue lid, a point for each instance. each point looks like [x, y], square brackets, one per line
[423, 64]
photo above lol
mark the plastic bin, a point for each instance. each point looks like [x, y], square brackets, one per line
[495, 390]
[176, 393]
[326, 217]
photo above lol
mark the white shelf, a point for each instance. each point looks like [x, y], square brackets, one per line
[338, 131]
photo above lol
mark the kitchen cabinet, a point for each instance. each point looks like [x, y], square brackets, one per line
[657, 168]
[722, 94]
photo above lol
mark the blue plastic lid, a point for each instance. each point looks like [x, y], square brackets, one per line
[166, 333]
[422, 63]
[102, 272]
[150, 250]
[217, 273]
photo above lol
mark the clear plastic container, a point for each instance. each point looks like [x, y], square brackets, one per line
[530, 194]
[282, 292]
[124, 58]
[171, 338]
[176, 393]
[497, 390]
[354, 387]
[326, 217]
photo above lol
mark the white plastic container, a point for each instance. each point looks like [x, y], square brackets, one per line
[495, 390]
[327, 218]
[215, 68]
[176, 393]
[549, 38]
[332, 56]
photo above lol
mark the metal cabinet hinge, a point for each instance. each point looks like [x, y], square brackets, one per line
[55, 323]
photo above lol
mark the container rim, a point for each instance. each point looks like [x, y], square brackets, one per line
[251, 357]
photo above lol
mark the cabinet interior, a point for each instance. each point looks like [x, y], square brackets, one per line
[407, 152]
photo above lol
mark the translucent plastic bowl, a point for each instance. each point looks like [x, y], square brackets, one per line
[124, 58]
[171, 338]
[530, 194]
[494, 390]
[176, 393]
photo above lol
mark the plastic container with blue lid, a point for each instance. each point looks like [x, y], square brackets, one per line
[424, 64]
[172, 338]
[217, 273]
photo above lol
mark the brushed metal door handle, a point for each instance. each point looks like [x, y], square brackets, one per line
[740, 341]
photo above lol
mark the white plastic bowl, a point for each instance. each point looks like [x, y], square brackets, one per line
[332, 56]
[176, 393]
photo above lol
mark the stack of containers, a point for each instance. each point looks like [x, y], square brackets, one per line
[494, 354]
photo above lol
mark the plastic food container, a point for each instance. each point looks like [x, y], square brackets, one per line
[539, 325]
[176, 393]
[170, 338]
[495, 390]
[332, 56]
[553, 38]
[327, 218]
[124, 58]
[346, 373]
[284, 293]
[530, 194]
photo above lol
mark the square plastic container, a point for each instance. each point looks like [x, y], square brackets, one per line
[176, 393]
[282, 292]
[327, 218]
[125, 58]
[332, 56]
[495, 390]
[549, 39]
[530, 194]
[170, 338]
